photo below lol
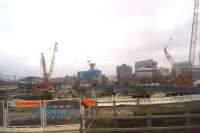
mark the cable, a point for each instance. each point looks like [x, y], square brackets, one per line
[178, 23]
[173, 32]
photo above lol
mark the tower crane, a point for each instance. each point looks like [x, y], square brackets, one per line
[53, 61]
[43, 66]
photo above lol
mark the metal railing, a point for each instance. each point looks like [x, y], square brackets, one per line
[108, 119]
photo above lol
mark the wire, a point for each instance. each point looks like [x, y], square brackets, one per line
[177, 24]
[173, 32]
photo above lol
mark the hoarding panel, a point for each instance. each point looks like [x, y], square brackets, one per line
[62, 112]
[24, 113]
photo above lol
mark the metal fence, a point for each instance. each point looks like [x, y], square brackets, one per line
[51, 113]
[62, 112]
[23, 113]
[1, 113]
[39, 113]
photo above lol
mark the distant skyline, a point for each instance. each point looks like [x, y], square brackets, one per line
[107, 32]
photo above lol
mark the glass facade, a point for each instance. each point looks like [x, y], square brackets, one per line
[88, 74]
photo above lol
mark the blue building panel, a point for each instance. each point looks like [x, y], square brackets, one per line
[88, 74]
[196, 73]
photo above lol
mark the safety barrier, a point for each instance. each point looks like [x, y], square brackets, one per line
[62, 112]
[40, 113]
[23, 113]
[147, 101]
[68, 114]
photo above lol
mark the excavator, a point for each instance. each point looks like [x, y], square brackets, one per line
[45, 90]
[186, 79]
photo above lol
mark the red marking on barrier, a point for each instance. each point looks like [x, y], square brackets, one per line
[88, 102]
[27, 103]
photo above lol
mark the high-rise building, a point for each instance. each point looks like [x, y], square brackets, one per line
[91, 76]
[146, 69]
[124, 73]
[145, 64]
[146, 73]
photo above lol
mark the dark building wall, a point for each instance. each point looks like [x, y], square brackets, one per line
[145, 64]
[124, 73]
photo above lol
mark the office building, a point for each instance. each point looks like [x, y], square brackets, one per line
[92, 75]
[124, 73]
[145, 64]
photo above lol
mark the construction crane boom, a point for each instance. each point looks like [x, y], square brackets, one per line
[169, 57]
[53, 61]
[43, 62]
[193, 37]
[171, 61]
[46, 87]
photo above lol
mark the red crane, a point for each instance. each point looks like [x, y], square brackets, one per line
[186, 79]
[46, 85]
[169, 57]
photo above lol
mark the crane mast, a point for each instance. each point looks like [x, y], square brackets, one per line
[53, 61]
[193, 38]
[43, 65]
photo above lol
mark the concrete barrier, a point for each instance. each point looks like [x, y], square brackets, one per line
[71, 128]
[1, 113]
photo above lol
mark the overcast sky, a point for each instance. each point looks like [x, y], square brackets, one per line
[107, 32]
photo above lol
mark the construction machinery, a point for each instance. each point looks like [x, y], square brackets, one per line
[46, 88]
[186, 79]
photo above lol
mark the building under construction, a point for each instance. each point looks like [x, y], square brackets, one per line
[91, 76]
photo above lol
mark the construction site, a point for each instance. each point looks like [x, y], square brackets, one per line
[146, 100]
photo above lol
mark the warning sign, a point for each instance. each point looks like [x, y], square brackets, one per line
[28, 103]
